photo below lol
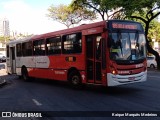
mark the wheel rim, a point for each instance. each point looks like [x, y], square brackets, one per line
[75, 80]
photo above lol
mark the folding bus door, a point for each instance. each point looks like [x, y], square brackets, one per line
[93, 60]
[12, 60]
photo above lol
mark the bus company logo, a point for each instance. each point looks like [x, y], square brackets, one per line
[139, 65]
[123, 72]
[92, 31]
[60, 72]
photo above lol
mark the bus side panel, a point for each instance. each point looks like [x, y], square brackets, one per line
[48, 74]
[41, 69]
[62, 63]
[28, 62]
[18, 65]
[67, 61]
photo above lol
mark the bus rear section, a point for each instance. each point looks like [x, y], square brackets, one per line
[107, 53]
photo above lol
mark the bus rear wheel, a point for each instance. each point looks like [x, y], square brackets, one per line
[75, 79]
[25, 76]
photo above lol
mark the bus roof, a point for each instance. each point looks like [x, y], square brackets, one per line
[21, 40]
[70, 30]
[79, 28]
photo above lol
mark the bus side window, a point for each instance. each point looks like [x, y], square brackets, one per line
[27, 49]
[53, 46]
[72, 43]
[19, 50]
[39, 47]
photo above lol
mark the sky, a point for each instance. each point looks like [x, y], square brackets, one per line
[29, 16]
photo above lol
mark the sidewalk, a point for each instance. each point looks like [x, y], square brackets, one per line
[2, 80]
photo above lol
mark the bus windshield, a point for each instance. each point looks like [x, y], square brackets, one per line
[127, 46]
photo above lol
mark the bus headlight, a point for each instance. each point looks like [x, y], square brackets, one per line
[113, 70]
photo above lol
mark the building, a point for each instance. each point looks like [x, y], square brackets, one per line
[4, 32]
[2, 48]
[4, 27]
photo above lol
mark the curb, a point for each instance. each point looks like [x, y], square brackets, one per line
[3, 82]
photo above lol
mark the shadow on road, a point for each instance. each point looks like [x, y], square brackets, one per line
[117, 90]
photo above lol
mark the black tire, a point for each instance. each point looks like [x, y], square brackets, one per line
[75, 79]
[20, 77]
[152, 66]
[25, 76]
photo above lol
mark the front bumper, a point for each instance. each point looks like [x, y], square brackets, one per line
[115, 80]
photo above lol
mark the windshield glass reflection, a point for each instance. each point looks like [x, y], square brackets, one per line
[127, 46]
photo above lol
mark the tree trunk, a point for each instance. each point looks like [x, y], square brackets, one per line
[155, 53]
[150, 49]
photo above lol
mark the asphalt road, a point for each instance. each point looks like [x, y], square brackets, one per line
[42, 95]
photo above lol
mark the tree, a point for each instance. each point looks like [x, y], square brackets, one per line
[4, 39]
[105, 8]
[147, 11]
[67, 16]
[154, 30]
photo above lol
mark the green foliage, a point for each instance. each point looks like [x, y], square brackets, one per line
[68, 16]
[119, 8]
[144, 11]
[154, 30]
[3, 39]
[101, 7]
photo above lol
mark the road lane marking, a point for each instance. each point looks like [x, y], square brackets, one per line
[36, 102]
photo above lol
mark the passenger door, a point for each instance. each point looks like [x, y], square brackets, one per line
[94, 58]
[12, 60]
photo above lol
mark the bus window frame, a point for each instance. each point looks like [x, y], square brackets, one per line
[79, 43]
[19, 51]
[59, 39]
[37, 49]
[27, 52]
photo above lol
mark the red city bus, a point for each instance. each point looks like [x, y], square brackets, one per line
[107, 53]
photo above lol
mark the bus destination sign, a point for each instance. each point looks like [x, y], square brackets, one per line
[124, 26]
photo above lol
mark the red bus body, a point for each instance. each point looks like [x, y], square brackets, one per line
[91, 63]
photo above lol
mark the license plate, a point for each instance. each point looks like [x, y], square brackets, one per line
[131, 78]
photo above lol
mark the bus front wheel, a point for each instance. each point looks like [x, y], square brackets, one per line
[25, 74]
[75, 79]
